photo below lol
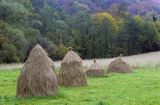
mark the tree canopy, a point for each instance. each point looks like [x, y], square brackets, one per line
[92, 31]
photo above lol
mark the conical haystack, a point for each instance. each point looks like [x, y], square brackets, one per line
[37, 77]
[119, 66]
[95, 70]
[71, 72]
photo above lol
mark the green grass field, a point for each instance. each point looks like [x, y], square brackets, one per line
[140, 88]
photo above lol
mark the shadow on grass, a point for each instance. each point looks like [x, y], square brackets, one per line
[104, 76]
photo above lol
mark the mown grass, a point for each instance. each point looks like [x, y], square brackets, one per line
[140, 88]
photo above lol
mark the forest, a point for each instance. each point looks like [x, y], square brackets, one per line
[95, 29]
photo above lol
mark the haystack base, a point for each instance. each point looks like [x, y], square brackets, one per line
[72, 75]
[95, 73]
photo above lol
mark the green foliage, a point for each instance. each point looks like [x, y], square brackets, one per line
[8, 53]
[49, 46]
[25, 23]
[32, 36]
[139, 36]
[157, 24]
[12, 11]
[107, 28]
[61, 51]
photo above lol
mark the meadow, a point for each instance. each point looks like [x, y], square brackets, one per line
[140, 88]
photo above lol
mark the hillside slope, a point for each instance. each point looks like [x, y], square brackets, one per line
[134, 6]
[85, 25]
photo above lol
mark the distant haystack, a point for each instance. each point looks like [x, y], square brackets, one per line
[95, 70]
[119, 66]
[37, 77]
[71, 72]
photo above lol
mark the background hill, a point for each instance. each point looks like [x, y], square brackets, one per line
[135, 7]
[95, 29]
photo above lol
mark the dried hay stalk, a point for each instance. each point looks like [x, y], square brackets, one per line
[119, 66]
[95, 70]
[52, 66]
[37, 77]
[71, 72]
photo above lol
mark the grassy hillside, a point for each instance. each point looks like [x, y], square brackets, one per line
[139, 88]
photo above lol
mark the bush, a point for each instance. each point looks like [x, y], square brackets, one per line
[61, 51]
[8, 53]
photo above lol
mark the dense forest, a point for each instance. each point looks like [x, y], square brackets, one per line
[94, 28]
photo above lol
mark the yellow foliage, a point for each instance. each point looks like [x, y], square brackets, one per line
[100, 18]
[157, 24]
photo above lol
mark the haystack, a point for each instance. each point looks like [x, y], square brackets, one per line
[71, 72]
[119, 66]
[95, 70]
[52, 66]
[36, 76]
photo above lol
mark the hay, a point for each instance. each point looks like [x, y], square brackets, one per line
[36, 76]
[95, 70]
[119, 66]
[71, 72]
[52, 65]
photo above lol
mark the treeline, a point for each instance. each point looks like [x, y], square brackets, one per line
[24, 23]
